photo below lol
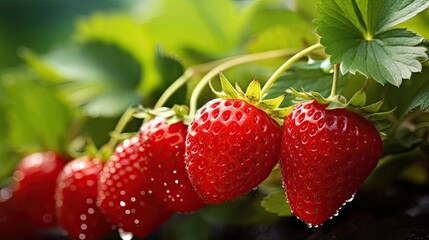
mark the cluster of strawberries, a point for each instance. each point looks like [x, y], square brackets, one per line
[228, 149]
[142, 184]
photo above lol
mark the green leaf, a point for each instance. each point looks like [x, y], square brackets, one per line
[100, 78]
[413, 94]
[8, 159]
[37, 117]
[421, 98]
[356, 34]
[124, 32]
[169, 68]
[276, 203]
[282, 37]
[208, 27]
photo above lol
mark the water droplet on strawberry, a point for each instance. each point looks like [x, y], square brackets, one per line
[351, 198]
[83, 226]
[125, 235]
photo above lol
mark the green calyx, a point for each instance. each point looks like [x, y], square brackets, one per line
[253, 97]
[172, 115]
[356, 104]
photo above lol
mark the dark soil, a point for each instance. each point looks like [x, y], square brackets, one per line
[399, 211]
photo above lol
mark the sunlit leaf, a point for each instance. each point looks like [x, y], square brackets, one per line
[281, 37]
[37, 118]
[358, 36]
[206, 26]
[100, 78]
[276, 203]
[122, 31]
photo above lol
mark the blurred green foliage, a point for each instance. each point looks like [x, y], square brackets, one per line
[70, 68]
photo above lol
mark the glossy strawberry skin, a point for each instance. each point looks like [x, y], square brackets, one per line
[231, 147]
[34, 186]
[164, 149]
[76, 196]
[14, 224]
[325, 156]
[124, 192]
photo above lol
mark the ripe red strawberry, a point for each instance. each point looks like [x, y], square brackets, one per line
[164, 149]
[124, 192]
[231, 147]
[13, 223]
[34, 186]
[325, 156]
[76, 196]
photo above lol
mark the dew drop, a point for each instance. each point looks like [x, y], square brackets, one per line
[309, 225]
[351, 198]
[47, 218]
[83, 217]
[122, 203]
[91, 211]
[125, 235]
[82, 236]
[83, 226]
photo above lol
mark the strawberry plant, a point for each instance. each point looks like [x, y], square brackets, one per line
[334, 123]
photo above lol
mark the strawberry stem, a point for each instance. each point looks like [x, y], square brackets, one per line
[174, 87]
[335, 81]
[287, 64]
[108, 149]
[188, 74]
[239, 60]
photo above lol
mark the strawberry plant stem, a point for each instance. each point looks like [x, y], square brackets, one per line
[173, 88]
[188, 74]
[287, 64]
[335, 81]
[107, 149]
[234, 62]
